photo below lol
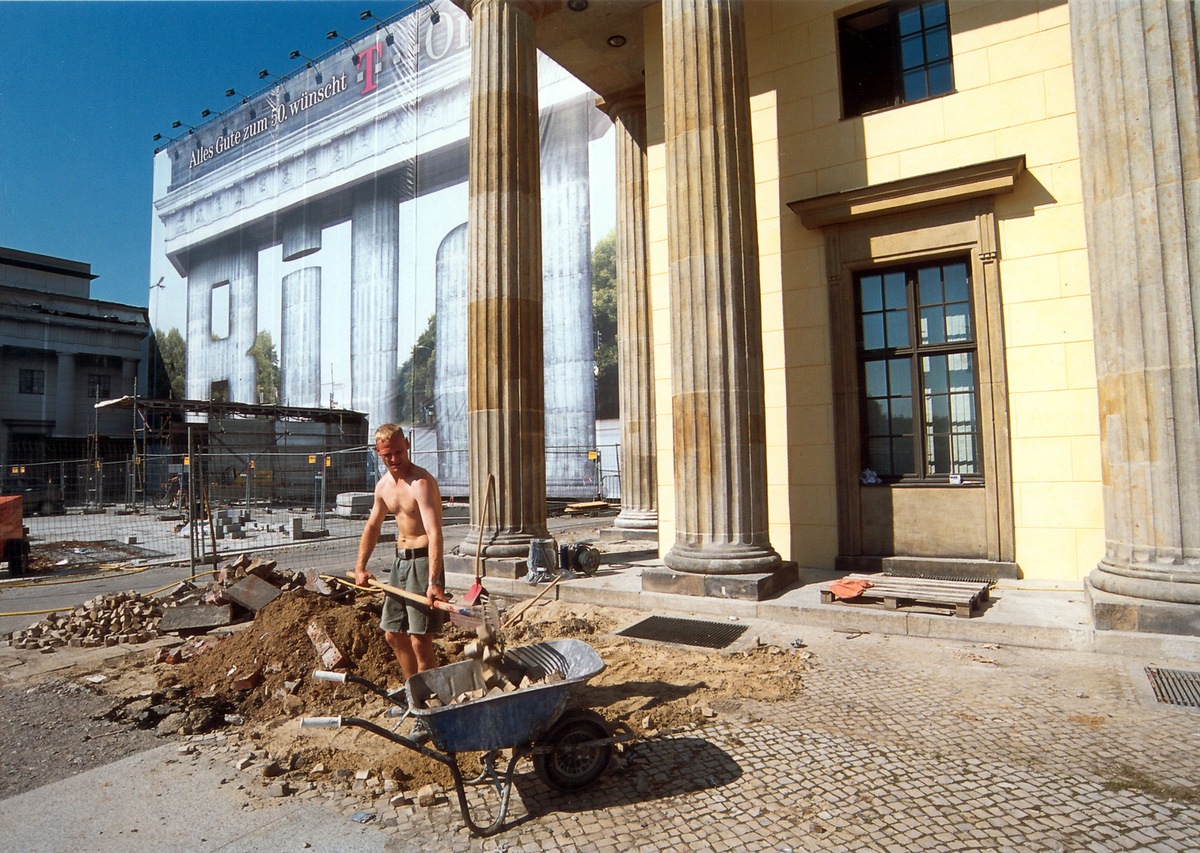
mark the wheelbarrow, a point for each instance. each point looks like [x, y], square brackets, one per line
[570, 748]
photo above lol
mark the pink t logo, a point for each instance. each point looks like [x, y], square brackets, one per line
[368, 57]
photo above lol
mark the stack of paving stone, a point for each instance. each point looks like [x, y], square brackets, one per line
[107, 620]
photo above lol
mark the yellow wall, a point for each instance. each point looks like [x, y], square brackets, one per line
[1014, 96]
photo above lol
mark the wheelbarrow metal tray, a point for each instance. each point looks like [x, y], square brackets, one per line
[504, 720]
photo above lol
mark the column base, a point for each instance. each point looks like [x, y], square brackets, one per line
[1113, 612]
[489, 567]
[748, 587]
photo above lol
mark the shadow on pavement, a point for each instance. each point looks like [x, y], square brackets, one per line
[655, 770]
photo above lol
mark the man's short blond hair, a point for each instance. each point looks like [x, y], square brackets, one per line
[386, 432]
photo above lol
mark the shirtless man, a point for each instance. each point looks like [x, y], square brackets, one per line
[411, 494]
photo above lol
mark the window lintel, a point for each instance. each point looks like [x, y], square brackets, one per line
[994, 177]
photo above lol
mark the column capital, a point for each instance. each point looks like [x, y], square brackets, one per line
[616, 104]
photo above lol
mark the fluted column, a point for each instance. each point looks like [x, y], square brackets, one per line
[717, 405]
[300, 338]
[374, 301]
[1138, 93]
[635, 363]
[505, 395]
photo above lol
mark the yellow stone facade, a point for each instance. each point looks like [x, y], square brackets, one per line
[1013, 97]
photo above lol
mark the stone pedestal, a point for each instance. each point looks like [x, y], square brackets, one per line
[755, 586]
[491, 567]
[1124, 613]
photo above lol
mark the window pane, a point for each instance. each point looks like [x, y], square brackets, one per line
[878, 420]
[912, 51]
[895, 290]
[902, 419]
[900, 377]
[897, 328]
[929, 285]
[902, 457]
[933, 325]
[937, 44]
[870, 288]
[934, 369]
[941, 78]
[935, 13]
[955, 277]
[879, 456]
[958, 322]
[876, 378]
[873, 337]
[910, 20]
[938, 450]
[914, 85]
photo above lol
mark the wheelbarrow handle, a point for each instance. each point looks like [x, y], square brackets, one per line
[326, 675]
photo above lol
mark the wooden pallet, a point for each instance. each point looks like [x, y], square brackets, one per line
[896, 592]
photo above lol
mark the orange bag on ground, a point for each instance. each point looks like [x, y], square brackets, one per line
[849, 587]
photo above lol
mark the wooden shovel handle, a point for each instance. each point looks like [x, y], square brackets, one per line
[404, 593]
[530, 602]
[487, 502]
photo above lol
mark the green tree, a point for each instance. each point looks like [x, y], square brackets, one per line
[414, 379]
[266, 367]
[604, 325]
[172, 357]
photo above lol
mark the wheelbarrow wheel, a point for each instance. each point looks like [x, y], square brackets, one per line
[563, 763]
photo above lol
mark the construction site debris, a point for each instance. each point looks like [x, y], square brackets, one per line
[106, 620]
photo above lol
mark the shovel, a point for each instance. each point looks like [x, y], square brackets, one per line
[476, 594]
[483, 616]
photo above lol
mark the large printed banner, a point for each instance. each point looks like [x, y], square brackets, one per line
[329, 212]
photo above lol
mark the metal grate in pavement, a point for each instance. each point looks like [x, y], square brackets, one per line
[687, 632]
[1175, 686]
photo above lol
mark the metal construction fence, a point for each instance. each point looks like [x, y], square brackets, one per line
[178, 506]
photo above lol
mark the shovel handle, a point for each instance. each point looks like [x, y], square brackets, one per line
[511, 619]
[404, 593]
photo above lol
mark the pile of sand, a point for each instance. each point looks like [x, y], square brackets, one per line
[264, 672]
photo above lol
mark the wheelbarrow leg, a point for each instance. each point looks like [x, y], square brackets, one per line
[502, 784]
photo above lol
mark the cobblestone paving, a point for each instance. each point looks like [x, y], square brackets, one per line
[897, 744]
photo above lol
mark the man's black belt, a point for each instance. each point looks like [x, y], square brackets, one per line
[412, 553]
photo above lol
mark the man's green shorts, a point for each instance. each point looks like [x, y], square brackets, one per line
[402, 615]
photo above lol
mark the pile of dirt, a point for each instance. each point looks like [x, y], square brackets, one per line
[263, 673]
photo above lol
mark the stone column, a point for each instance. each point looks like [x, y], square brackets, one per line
[635, 362]
[505, 395]
[230, 264]
[1137, 88]
[300, 338]
[374, 301]
[567, 341]
[717, 397]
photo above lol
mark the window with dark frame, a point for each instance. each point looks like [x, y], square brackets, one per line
[32, 381]
[894, 54]
[98, 386]
[918, 372]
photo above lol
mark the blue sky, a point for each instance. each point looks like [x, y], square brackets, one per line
[84, 86]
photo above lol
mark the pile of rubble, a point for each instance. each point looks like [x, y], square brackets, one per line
[107, 620]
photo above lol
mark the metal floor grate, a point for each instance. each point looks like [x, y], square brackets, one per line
[687, 632]
[1175, 686]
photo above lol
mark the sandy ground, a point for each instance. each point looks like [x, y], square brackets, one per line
[651, 688]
